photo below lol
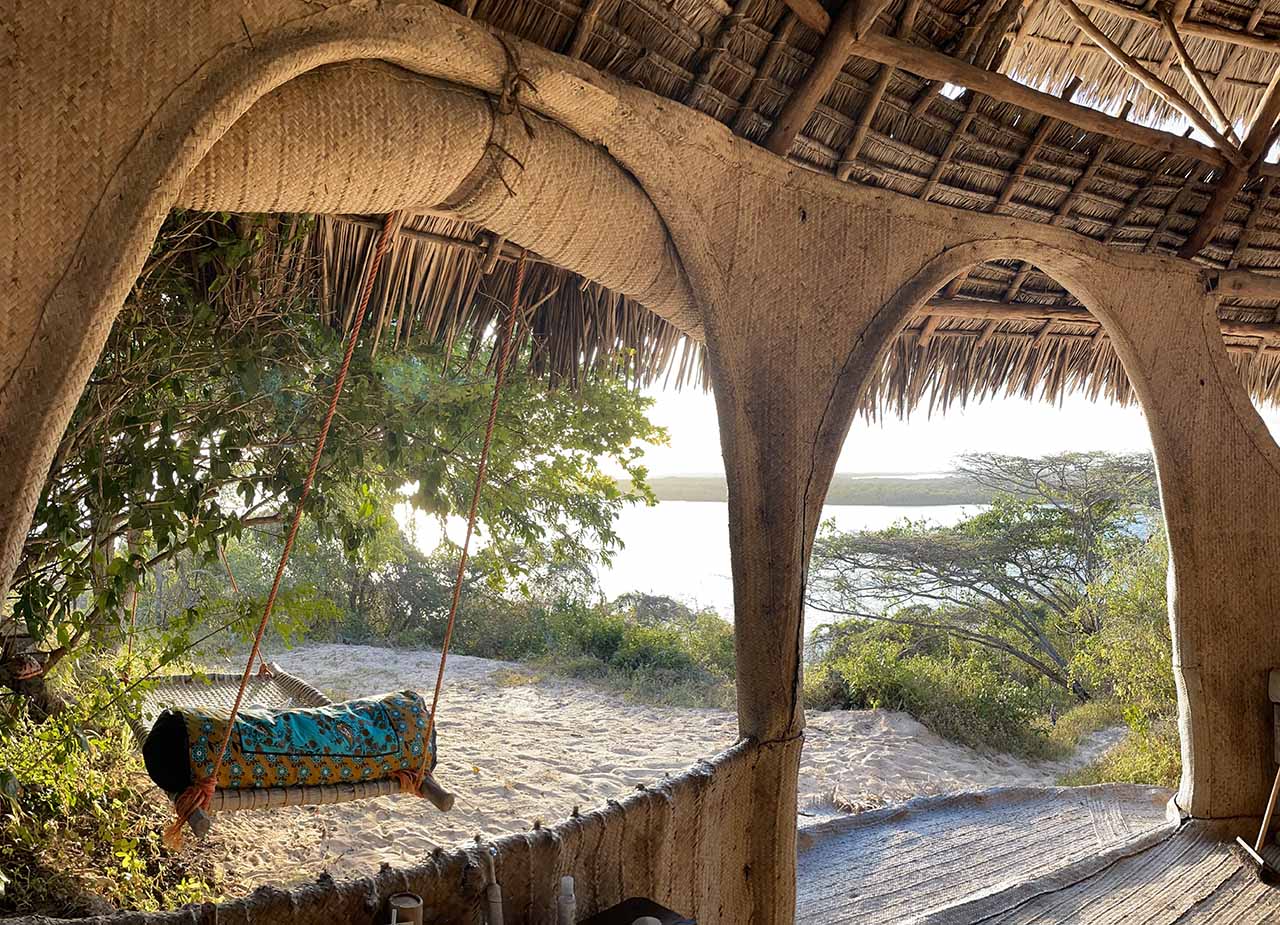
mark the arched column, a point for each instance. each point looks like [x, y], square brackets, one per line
[797, 281]
[1219, 476]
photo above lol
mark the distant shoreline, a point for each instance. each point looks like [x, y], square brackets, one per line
[846, 489]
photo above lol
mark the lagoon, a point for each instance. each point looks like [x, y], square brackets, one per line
[680, 549]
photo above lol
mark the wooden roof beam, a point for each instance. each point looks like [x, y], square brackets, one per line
[906, 24]
[1086, 176]
[1258, 138]
[996, 312]
[768, 64]
[1198, 29]
[851, 23]
[1139, 195]
[582, 31]
[811, 13]
[978, 310]
[934, 65]
[954, 140]
[1251, 223]
[1236, 52]
[1142, 75]
[710, 62]
[968, 38]
[1032, 149]
[1195, 78]
[1175, 207]
[1217, 78]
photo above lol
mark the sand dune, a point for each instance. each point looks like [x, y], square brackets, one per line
[516, 753]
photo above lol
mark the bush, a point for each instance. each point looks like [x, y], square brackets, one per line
[681, 657]
[1084, 719]
[80, 826]
[1151, 756]
[962, 696]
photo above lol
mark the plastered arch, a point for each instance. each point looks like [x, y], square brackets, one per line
[1172, 351]
[59, 322]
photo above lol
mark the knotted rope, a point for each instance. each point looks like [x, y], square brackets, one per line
[200, 794]
[412, 782]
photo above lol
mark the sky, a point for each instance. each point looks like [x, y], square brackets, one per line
[920, 443]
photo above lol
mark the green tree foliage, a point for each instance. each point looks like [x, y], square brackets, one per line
[1129, 659]
[199, 421]
[1010, 578]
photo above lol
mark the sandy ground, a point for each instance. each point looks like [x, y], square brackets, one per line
[536, 748]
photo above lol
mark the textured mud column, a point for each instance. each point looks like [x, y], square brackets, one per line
[1219, 473]
[788, 353]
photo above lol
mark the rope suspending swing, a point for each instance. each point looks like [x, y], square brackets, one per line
[198, 797]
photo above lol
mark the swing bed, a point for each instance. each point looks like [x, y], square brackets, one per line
[275, 699]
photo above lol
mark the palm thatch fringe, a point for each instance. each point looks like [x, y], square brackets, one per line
[433, 286]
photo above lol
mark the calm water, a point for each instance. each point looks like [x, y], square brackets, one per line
[681, 548]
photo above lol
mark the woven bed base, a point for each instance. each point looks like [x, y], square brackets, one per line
[276, 689]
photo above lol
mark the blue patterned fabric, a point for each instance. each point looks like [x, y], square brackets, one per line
[368, 739]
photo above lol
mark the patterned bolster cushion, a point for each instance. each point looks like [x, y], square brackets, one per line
[359, 740]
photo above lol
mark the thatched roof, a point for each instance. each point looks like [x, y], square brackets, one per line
[881, 120]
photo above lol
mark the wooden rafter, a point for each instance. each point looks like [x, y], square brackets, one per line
[1096, 162]
[811, 13]
[768, 64]
[1236, 52]
[972, 32]
[1142, 75]
[1175, 207]
[582, 31]
[710, 61]
[1139, 195]
[989, 49]
[1090, 48]
[906, 24]
[934, 65]
[954, 140]
[1251, 223]
[851, 23]
[1032, 150]
[1201, 30]
[1194, 77]
[1258, 138]
[998, 312]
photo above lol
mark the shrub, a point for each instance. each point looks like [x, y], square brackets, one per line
[80, 826]
[1084, 719]
[961, 696]
[1150, 756]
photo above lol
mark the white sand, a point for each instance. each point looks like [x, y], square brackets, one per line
[515, 753]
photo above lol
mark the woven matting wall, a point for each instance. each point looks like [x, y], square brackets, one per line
[681, 842]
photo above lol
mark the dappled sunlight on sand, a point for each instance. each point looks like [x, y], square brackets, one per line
[516, 747]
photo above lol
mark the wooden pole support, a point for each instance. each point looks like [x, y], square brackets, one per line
[440, 798]
[200, 823]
